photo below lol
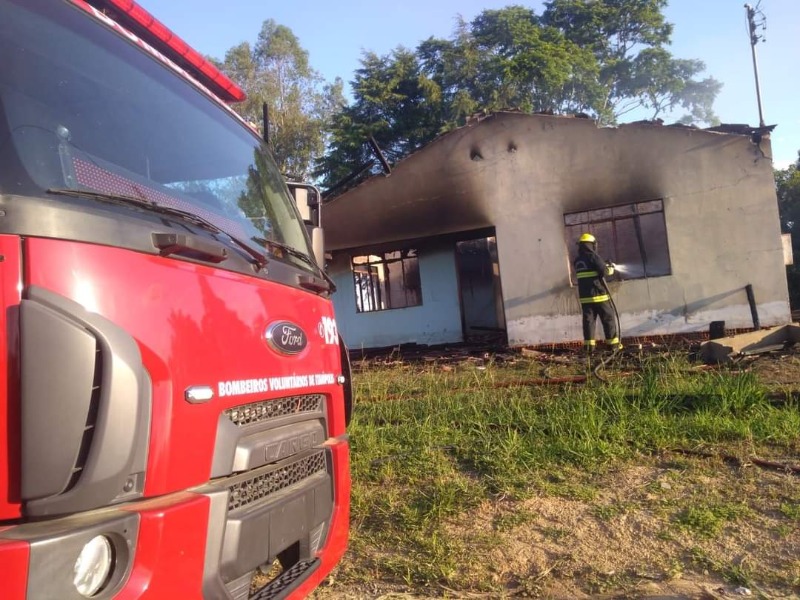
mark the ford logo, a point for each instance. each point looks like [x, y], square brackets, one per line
[286, 337]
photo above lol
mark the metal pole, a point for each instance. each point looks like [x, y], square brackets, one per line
[751, 24]
[751, 300]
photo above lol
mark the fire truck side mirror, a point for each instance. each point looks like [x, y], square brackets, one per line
[318, 246]
[307, 198]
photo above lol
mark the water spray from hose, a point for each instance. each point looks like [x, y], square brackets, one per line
[630, 270]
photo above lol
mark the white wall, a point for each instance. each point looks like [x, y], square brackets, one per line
[436, 321]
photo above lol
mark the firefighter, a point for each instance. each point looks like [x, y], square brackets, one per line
[591, 271]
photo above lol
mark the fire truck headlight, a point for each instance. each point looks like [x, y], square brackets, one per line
[93, 567]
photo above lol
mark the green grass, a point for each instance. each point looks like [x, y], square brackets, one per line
[430, 445]
[791, 511]
[708, 520]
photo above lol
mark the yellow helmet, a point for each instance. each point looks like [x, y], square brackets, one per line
[587, 238]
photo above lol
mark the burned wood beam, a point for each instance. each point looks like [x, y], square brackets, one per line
[343, 182]
[377, 150]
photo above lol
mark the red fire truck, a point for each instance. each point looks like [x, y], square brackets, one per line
[175, 396]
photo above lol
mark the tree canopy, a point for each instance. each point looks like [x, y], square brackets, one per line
[276, 71]
[396, 105]
[604, 58]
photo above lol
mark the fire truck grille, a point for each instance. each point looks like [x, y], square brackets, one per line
[287, 581]
[259, 412]
[254, 489]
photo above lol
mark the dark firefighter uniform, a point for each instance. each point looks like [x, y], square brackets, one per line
[591, 271]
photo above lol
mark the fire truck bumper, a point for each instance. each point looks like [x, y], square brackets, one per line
[182, 545]
[152, 549]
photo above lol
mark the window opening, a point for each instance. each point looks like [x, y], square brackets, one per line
[634, 236]
[386, 281]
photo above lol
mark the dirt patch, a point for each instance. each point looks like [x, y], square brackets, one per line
[780, 369]
[625, 541]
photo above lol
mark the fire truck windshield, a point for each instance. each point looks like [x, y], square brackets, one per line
[83, 107]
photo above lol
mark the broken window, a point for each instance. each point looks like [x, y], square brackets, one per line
[633, 236]
[388, 280]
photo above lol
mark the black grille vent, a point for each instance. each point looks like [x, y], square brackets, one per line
[254, 489]
[91, 422]
[259, 412]
[287, 581]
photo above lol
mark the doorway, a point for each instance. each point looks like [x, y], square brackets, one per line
[481, 297]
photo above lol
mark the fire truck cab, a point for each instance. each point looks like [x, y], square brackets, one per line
[174, 395]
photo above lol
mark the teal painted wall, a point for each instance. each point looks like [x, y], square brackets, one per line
[436, 321]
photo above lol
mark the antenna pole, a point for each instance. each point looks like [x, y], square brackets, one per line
[754, 39]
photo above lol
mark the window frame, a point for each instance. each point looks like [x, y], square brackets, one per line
[378, 297]
[597, 218]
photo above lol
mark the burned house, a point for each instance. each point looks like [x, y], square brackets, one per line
[473, 234]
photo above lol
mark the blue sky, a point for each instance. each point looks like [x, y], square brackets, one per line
[336, 33]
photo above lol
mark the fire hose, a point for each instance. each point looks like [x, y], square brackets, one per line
[611, 300]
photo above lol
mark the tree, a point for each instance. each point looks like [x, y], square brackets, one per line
[603, 58]
[788, 188]
[662, 84]
[527, 65]
[628, 39]
[452, 65]
[395, 104]
[276, 71]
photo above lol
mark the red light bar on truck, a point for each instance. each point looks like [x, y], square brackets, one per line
[160, 37]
